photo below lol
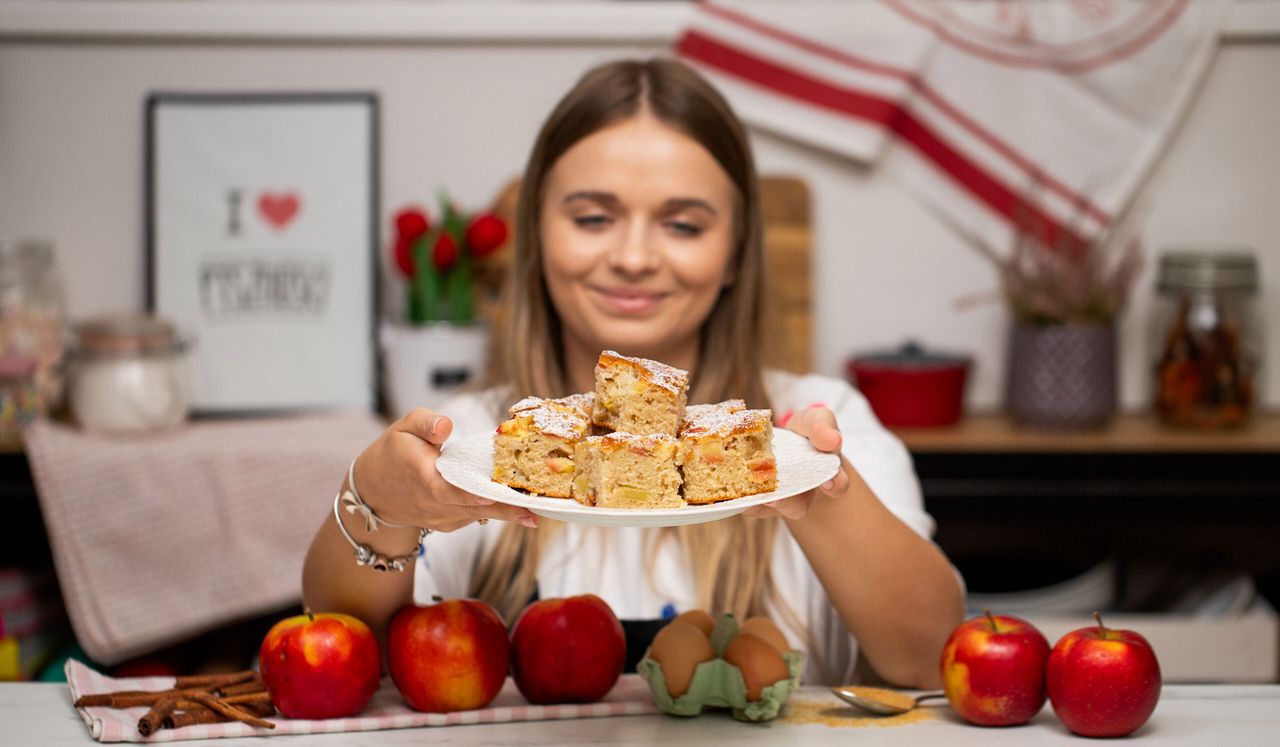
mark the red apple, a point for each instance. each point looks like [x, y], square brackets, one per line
[448, 656]
[319, 666]
[567, 650]
[993, 670]
[1103, 682]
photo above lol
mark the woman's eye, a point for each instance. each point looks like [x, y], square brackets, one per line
[591, 221]
[682, 228]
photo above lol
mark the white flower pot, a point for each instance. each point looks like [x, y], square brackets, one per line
[425, 365]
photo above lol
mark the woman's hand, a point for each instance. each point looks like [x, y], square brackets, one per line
[398, 479]
[818, 424]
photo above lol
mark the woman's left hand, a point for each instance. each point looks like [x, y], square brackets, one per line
[818, 424]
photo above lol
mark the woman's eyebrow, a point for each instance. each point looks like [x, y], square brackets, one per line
[609, 199]
[682, 203]
[604, 198]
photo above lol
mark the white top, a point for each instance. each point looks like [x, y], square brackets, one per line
[611, 562]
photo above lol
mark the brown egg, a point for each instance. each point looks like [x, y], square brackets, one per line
[761, 665]
[763, 628]
[698, 619]
[679, 648]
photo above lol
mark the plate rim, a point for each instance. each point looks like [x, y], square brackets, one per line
[641, 517]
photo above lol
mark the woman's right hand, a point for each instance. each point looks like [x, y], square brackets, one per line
[397, 477]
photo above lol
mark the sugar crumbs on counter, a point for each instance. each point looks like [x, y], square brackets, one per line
[835, 714]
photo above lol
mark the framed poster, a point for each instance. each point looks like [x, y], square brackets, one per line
[262, 237]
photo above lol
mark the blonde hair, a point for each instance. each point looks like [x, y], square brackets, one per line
[730, 559]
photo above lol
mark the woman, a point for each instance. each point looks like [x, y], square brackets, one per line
[638, 230]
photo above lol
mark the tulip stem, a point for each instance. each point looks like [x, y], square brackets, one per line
[991, 619]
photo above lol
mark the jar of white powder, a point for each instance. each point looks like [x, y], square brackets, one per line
[128, 375]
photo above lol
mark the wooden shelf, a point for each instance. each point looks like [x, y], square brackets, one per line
[1127, 433]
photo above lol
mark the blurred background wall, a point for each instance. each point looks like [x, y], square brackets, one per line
[463, 88]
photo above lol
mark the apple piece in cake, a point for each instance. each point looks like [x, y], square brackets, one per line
[533, 450]
[637, 395]
[625, 470]
[727, 454]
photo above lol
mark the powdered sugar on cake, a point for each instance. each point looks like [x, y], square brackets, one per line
[668, 377]
[724, 422]
[559, 423]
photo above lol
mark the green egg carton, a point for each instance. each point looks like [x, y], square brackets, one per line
[717, 683]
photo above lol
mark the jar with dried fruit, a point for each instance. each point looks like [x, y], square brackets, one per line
[1206, 338]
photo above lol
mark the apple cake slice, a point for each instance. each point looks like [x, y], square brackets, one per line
[727, 453]
[637, 395]
[533, 450]
[625, 470]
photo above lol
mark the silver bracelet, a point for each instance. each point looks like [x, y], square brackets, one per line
[354, 504]
[365, 555]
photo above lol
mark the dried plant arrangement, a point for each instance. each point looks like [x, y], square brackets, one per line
[1072, 278]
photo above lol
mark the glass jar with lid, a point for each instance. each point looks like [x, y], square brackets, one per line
[128, 375]
[33, 322]
[1207, 338]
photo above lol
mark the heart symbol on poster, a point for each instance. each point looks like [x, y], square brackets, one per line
[279, 209]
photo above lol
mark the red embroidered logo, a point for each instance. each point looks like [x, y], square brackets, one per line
[1072, 37]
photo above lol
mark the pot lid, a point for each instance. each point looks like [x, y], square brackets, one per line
[910, 355]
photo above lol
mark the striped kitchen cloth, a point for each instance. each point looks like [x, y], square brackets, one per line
[630, 697]
[159, 538]
[1047, 115]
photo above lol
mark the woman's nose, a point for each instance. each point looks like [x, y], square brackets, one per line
[635, 252]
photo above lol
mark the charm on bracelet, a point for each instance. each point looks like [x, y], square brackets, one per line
[367, 556]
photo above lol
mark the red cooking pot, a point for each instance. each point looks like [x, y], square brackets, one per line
[912, 387]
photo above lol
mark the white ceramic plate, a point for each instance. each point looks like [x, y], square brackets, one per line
[468, 462]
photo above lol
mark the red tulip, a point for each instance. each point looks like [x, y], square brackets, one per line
[486, 233]
[411, 224]
[404, 255]
[445, 252]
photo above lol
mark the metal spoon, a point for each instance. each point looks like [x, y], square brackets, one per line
[865, 698]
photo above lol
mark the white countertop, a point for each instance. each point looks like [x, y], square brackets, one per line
[1220, 715]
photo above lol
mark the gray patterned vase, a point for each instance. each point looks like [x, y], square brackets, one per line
[1061, 376]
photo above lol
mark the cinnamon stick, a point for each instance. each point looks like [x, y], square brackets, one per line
[104, 700]
[203, 715]
[214, 704]
[239, 682]
[236, 700]
[252, 686]
[129, 698]
[261, 696]
[149, 723]
[212, 681]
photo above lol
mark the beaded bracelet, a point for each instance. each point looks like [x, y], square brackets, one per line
[365, 555]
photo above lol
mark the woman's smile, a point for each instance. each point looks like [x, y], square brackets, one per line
[629, 301]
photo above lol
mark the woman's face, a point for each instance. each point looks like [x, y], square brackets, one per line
[637, 232]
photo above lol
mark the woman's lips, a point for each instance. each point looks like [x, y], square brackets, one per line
[630, 301]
